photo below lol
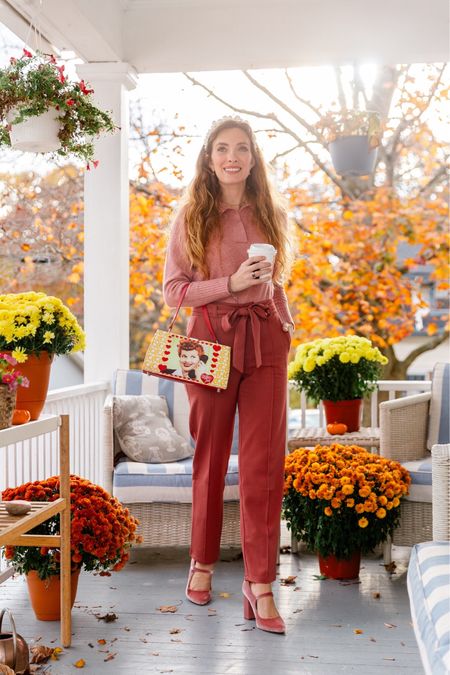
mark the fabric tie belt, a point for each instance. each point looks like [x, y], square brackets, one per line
[238, 317]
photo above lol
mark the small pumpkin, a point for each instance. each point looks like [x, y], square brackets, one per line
[337, 428]
[21, 417]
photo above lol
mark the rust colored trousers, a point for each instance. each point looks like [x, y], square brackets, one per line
[257, 387]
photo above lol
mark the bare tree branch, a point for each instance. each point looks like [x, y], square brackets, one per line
[441, 173]
[340, 88]
[427, 346]
[308, 104]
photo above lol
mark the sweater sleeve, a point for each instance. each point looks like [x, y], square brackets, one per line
[178, 272]
[281, 303]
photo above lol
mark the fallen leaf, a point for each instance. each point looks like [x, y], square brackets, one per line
[174, 631]
[175, 640]
[388, 658]
[90, 645]
[390, 567]
[41, 653]
[127, 629]
[111, 657]
[390, 625]
[107, 618]
[358, 631]
[376, 595]
[311, 656]
[155, 653]
[320, 577]
[372, 640]
[288, 581]
[102, 641]
[336, 625]
[224, 595]
[80, 663]
[164, 609]
[285, 549]
[211, 611]
[296, 611]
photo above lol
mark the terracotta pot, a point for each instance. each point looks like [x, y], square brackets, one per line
[344, 412]
[45, 595]
[37, 369]
[336, 568]
[7, 405]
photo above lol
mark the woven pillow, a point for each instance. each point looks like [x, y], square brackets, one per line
[144, 431]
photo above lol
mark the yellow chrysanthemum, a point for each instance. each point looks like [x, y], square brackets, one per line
[19, 354]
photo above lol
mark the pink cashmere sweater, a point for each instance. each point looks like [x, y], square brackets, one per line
[225, 252]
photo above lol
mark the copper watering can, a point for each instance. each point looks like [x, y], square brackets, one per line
[13, 648]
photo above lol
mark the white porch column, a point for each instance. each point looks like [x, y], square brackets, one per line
[106, 227]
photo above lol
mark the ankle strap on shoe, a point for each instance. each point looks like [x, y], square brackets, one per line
[263, 595]
[199, 569]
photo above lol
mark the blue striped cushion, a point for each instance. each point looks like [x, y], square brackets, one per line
[439, 422]
[136, 482]
[420, 489]
[135, 382]
[429, 596]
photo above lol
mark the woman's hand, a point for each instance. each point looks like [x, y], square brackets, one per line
[253, 271]
[288, 328]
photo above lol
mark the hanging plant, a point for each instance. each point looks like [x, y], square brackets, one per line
[353, 137]
[33, 85]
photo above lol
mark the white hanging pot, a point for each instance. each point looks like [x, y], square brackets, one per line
[36, 134]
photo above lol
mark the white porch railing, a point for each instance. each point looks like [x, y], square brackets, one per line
[37, 458]
[315, 417]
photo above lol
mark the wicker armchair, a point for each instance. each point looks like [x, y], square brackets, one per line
[440, 457]
[163, 521]
[409, 428]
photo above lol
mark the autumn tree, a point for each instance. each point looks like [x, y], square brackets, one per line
[368, 248]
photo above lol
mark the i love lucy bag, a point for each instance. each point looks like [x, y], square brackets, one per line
[186, 359]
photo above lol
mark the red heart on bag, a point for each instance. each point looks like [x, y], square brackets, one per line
[217, 348]
[165, 358]
[206, 378]
[214, 359]
[167, 351]
[162, 368]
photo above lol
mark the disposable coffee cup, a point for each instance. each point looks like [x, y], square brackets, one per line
[267, 250]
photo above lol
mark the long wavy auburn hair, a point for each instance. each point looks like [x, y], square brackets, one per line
[202, 199]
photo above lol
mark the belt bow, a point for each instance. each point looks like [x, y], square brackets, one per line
[240, 317]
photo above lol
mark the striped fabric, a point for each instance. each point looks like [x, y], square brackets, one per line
[136, 482]
[439, 424]
[135, 382]
[420, 472]
[429, 595]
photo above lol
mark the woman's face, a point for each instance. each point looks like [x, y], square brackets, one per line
[231, 156]
[189, 359]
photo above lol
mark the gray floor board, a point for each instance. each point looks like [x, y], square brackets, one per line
[321, 618]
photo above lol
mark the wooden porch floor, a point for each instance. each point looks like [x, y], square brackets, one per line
[321, 616]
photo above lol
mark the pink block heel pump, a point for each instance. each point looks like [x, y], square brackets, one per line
[275, 625]
[197, 597]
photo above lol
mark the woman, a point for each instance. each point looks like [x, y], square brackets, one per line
[228, 207]
[192, 359]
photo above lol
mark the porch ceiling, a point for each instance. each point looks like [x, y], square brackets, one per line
[195, 35]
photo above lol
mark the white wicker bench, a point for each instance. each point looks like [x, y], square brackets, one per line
[163, 508]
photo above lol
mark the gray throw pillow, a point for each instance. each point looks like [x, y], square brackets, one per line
[144, 431]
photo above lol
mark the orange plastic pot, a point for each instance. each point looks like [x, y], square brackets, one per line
[37, 369]
[338, 568]
[45, 595]
[344, 412]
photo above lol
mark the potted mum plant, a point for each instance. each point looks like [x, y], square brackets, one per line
[342, 500]
[353, 137]
[338, 371]
[33, 328]
[34, 87]
[10, 379]
[102, 532]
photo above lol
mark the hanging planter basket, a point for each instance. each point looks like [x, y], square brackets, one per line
[353, 156]
[36, 134]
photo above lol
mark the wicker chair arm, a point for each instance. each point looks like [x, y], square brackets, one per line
[108, 444]
[403, 427]
[440, 458]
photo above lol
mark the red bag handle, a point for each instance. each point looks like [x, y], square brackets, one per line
[204, 310]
